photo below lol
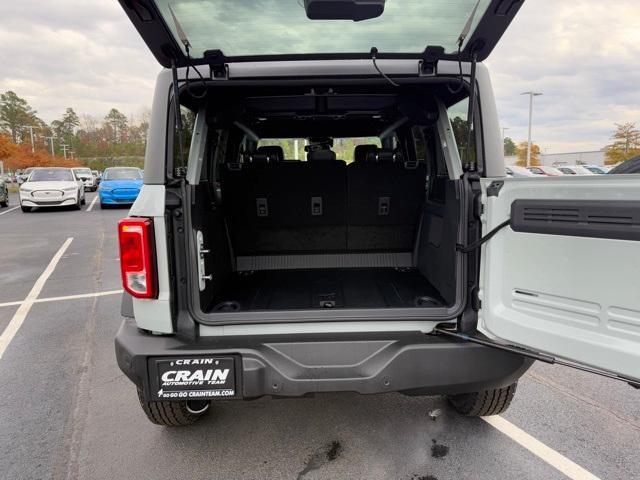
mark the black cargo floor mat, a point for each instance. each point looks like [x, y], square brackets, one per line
[334, 288]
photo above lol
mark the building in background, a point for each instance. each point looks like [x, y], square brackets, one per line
[572, 158]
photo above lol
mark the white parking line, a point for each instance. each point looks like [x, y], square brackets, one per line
[93, 202]
[10, 210]
[67, 297]
[539, 449]
[23, 310]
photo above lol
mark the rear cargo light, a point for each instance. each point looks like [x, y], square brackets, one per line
[137, 257]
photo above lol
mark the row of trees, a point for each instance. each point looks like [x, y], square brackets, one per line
[625, 145]
[83, 138]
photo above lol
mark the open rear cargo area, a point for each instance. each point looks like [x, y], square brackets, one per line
[334, 288]
[317, 202]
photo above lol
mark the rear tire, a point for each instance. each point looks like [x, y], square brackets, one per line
[484, 403]
[172, 414]
[83, 201]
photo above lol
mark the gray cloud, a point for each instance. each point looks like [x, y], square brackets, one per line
[84, 55]
[582, 54]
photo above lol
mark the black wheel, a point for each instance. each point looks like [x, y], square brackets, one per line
[484, 403]
[25, 209]
[78, 205]
[173, 414]
[103, 206]
[4, 204]
[83, 201]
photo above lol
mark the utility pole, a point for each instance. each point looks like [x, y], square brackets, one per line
[64, 149]
[51, 144]
[531, 95]
[31, 127]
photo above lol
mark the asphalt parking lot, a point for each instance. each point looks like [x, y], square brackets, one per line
[67, 412]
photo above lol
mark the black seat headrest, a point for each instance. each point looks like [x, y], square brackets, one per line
[321, 155]
[274, 153]
[365, 153]
[388, 156]
[259, 158]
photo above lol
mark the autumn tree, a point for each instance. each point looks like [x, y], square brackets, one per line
[15, 113]
[522, 154]
[510, 147]
[626, 144]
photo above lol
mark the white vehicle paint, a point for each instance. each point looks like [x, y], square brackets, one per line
[62, 189]
[570, 296]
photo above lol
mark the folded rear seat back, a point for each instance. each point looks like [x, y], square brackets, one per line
[385, 194]
[286, 207]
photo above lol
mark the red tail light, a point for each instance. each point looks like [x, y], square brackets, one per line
[137, 257]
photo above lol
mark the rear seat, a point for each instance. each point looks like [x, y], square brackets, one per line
[321, 205]
[385, 198]
[286, 207]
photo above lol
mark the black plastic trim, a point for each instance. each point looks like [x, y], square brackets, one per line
[126, 305]
[611, 219]
[294, 365]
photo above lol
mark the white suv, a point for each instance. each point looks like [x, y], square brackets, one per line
[337, 218]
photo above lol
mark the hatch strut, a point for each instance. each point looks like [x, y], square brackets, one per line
[176, 109]
[531, 354]
[469, 162]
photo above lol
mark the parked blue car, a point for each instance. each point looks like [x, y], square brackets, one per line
[119, 186]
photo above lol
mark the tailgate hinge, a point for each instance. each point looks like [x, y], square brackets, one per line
[217, 64]
[429, 62]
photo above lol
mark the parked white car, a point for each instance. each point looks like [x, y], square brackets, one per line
[51, 187]
[516, 171]
[545, 171]
[88, 178]
[574, 170]
[598, 169]
[22, 176]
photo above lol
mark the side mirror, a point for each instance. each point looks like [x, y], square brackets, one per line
[355, 10]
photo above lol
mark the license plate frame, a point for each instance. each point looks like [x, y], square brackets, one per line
[193, 377]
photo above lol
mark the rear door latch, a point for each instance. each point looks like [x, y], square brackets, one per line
[202, 276]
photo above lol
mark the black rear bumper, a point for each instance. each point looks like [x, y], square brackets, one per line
[367, 363]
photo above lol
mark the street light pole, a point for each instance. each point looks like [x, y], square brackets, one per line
[64, 150]
[531, 95]
[51, 144]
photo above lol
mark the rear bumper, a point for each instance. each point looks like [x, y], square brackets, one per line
[367, 363]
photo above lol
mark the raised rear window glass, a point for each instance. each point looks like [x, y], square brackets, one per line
[280, 27]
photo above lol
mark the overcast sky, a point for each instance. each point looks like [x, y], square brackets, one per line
[584, 55]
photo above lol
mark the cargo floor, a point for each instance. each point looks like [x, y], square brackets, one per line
[331, 288]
